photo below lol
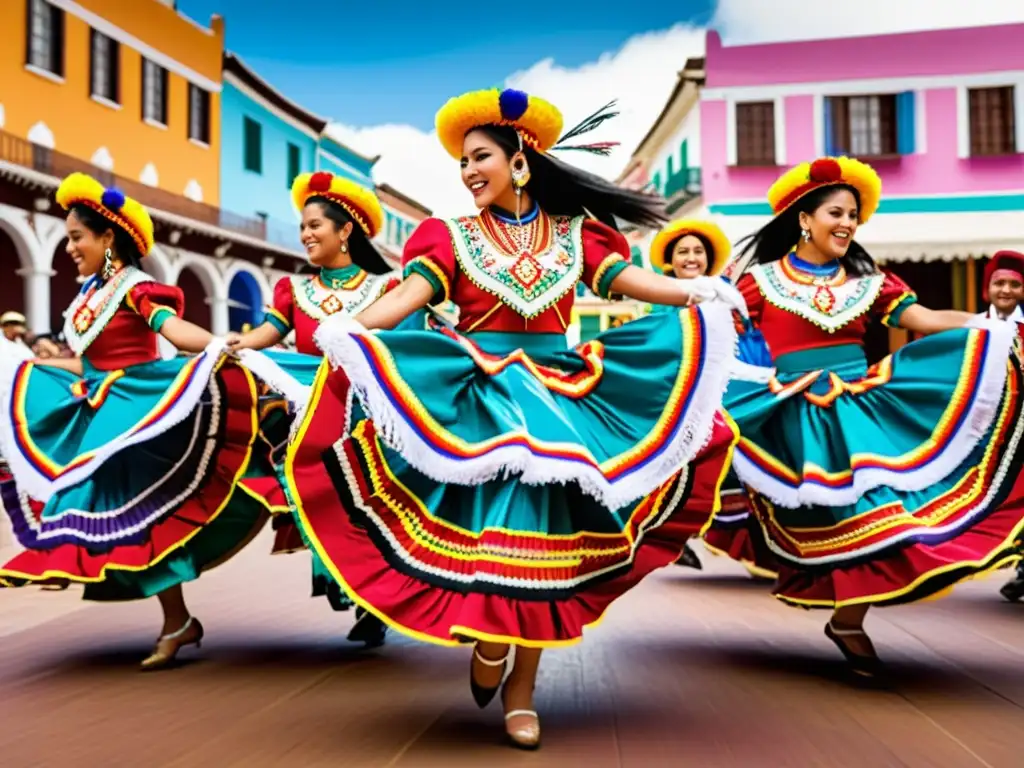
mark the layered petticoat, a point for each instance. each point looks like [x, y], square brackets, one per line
[127, 480]
[502, 486]
[888, 484]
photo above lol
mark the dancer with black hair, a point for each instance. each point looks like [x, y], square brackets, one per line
[484, 483]
[339, 220]
[687, 248]
[135, 460]
[874, 485]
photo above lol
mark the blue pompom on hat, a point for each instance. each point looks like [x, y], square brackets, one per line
[513, 103]
[112, 199]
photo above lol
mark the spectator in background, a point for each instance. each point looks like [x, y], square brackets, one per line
[12, 341]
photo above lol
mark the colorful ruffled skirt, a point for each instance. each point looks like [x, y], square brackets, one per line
[127, 481]
[503, 486]
[290, 375]
[887, 484]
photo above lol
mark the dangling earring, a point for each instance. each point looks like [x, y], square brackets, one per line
[805, 235]
[344, 247]
[108, 265]
[520, 172]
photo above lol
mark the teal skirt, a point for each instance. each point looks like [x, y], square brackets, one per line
[886, 484]
[503, 486]
[127, 481]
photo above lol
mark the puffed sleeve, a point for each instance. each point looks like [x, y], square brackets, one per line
[747, 286]
[893, 300]
[605, 255]
[280, 312]
[156, 302]
[429, 253]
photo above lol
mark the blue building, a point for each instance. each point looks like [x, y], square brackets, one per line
[336, 158]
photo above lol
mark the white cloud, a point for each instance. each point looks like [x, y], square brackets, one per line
[640, 75]
[750, 21]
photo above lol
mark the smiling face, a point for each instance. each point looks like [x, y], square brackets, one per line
[85, 247]
[833, 224]
[321, 237]
[1005, 291]
[486, 171]
[689, 257]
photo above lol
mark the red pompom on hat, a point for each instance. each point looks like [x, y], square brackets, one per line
[320, 181]
[825, 170]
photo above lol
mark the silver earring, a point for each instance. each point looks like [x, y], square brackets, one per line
[805, 235]
[108, 264]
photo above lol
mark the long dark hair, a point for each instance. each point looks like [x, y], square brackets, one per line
[671, 245]
[124, 244]
[362, 251]
[561, 189]
[777, 238]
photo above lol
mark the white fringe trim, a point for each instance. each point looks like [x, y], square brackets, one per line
[275, 377]
[336, 338]
[36, 485]
[975, 425]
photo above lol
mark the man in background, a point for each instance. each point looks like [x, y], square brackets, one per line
[12, 340]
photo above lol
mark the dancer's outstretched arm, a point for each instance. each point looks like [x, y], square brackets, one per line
[414, 293]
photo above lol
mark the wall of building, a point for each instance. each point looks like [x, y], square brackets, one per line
[58, 111]
[268, 192]
[933, 171]
[340, 160]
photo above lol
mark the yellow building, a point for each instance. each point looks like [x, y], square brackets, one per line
[131, 87]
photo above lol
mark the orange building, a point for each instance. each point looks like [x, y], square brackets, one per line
[130, 87]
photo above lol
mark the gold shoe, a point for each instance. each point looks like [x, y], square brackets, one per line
[527, 735]
[167, 647]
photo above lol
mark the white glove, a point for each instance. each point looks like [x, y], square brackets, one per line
[706, 288]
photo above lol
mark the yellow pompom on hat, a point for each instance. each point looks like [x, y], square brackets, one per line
[360, 203]
[823, 172]
[111, 203]
[720, 246]
[538, 121]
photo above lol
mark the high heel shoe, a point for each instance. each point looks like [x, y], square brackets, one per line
[167, 646]
[525, 736]
[863, 665]
[481, 695]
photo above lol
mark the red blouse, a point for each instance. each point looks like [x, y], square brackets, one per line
[286, 311]
[430, 253]
[785, 331]
[130, 336]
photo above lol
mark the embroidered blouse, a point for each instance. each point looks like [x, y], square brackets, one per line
[115, 324]
[797, 309]
[500, 285]
[302, 302]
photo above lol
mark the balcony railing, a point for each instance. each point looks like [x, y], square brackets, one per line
[49, 161]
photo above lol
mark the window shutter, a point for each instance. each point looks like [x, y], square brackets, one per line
[905, 123]
[830, 140]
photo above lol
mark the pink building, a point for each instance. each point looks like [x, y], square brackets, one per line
[939, 114]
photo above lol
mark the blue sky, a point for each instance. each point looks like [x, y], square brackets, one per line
[371, 62]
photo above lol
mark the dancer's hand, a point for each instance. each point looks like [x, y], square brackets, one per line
[235, 341]
[704, 288]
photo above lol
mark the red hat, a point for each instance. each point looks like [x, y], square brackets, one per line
[1011, 261]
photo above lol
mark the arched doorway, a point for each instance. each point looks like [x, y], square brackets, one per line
[245, 301]
[12, 288]
[197, 304]
[64, 286]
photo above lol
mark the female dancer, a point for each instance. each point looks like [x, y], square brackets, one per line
[339, 219]
[136, 458]
[688, 248]
[485, 483]
[881, 485]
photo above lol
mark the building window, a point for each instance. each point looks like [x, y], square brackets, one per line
[863, 126]
[198, 114]
[993, 123]
[105, 68]
[294, 163]
[755, 133]
[154, 92]
[45, 37]
[252, 145]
